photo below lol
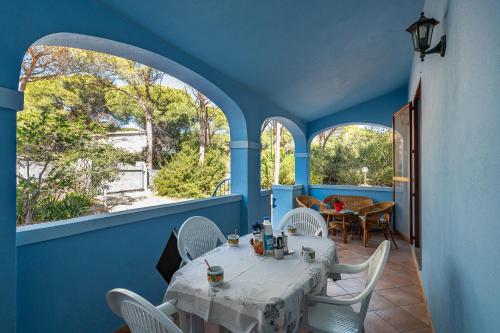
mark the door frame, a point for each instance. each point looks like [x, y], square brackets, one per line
[416, 109]
[409, 165]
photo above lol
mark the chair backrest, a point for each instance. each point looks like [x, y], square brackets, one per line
[306, 220]
[197, 236]
[140, 315]
[374, 212]
[375, 270]
[307, 201]
[351, 202]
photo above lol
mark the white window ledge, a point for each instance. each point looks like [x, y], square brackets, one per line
[353, 188]
[288, 187]
[50, 230]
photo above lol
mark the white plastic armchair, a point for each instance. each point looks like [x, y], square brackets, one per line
[197, 236]
[140, 315]
[306, 220]
[331, 314]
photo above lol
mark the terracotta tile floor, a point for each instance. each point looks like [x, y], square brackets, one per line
[397, 304]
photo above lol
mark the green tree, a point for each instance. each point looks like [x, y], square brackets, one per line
[285, 169]
[338, 156]
[63, 157]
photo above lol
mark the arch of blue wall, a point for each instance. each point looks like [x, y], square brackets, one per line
[21, 28]
[377, 111]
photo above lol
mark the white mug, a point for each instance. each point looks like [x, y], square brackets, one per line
[308, 254]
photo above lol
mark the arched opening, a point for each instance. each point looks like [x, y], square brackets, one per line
[277, 154]
[101, 133]
[352, 154]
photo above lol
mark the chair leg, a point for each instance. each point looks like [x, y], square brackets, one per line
[392, 237]
[344, 231]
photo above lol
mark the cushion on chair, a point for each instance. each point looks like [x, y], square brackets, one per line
[332, 318]
[315, 207]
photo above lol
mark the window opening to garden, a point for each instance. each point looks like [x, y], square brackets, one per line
[100, 133]
[359, 155]
[277, 155]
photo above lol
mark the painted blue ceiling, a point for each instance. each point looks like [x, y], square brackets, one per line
[311, 58]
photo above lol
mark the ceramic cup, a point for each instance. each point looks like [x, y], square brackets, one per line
[308, 254]
[233, 240]
[215, 276]
[278, 253]
[292, 230]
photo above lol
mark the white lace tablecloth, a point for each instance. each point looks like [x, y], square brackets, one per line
[260, 294]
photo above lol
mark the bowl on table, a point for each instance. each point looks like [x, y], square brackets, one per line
[233, 240]
[215, 276]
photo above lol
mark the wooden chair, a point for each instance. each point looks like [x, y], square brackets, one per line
[307, 201]
[377, 217]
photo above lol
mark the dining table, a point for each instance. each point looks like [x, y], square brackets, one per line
[259, 293]
[341, 220]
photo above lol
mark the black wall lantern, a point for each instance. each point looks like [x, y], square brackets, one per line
[421, 33]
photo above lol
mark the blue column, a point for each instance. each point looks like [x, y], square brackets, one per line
[245, 180]
[302, 170]
[10, 101]
[284, 200]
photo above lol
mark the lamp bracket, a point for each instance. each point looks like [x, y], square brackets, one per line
[439, 48]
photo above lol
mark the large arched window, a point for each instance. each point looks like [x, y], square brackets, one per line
[352, 155]
[277, 155]
[100, 133]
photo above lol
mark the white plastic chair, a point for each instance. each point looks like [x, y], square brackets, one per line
[306, 220]
[197, 236]
[335, 315]
[140, 315]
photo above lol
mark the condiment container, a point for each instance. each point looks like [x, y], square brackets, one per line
[268, 236]
[215, 276]
[233, 240]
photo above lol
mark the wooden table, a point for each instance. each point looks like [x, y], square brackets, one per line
[340, 220]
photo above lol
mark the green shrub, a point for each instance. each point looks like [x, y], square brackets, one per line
[51, 208]
[185, 177]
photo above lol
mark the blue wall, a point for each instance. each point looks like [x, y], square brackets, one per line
[461, 166]
[62, 281]
[376, 193]
[284, 201]
[7, 220]
[377, 111]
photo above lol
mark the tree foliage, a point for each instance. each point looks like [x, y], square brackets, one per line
[66, 151]
[268, 156]
[73, 98]
[188, 177]
[340, 158]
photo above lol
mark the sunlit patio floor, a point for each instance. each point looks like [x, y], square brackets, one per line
[397, 304]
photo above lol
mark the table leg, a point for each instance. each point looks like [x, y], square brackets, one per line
[184, 319]
[197, 324]
[222, 329]
[344, 229]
